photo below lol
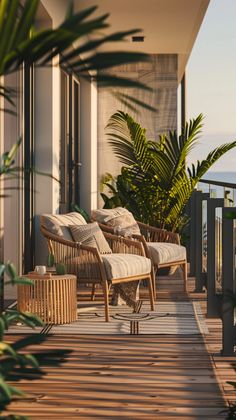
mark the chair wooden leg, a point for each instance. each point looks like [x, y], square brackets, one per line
[185, 275]
[153, 276]
[93, 291]
[150, 287]
[105, 289]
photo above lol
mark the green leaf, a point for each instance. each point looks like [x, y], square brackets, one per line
[30, 320]
[2, 269]
[12, 153]
[7, 349]
[230, 215]
[5, 389]
[20, 281]
[78, 209]
[11, 270]
[27, 360]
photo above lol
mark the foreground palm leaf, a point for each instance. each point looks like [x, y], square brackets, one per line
[15, 364]
[154, 183]
[20, 43]
[10, 171]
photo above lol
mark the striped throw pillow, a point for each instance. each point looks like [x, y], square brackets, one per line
[118, 217]
[91, 235]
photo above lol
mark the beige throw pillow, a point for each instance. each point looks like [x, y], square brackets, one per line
[91, 235]
[58, 224]
[119, 218]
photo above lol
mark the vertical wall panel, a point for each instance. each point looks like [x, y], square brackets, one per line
[160, 73]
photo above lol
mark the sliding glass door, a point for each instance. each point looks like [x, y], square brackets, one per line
[18, 205]
[74, 196]
[12, 187]
[70, 142]
[28, 163]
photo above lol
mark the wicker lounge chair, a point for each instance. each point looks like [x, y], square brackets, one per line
[126, 263]
[161, 246]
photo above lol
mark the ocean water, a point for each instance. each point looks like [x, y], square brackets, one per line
[217, 191]
[221, 176]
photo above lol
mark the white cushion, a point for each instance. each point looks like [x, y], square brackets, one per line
[164, 252]
[59, 223]
[125, 265]
[118, 217]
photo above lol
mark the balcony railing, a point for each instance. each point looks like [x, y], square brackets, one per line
[212, 252]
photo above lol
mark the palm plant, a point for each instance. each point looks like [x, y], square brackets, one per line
[155, 183]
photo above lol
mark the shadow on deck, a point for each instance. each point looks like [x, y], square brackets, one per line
[142, 376]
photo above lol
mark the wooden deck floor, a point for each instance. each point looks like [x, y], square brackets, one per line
[135, 377]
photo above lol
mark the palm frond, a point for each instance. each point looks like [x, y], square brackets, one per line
[178, 148]
[128, 140]
[197, 171]
[21, 43]
[156, 185]
[190, 134]
[178, 197]
[120, 138]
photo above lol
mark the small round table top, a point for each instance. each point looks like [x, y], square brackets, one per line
[48, 275]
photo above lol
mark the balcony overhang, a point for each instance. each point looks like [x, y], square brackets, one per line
[168, 26]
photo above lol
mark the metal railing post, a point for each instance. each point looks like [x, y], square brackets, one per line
[192, 231]
[228, 283]
[212, 301]
[200, 278]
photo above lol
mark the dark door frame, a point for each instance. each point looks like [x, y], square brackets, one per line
[28, 164]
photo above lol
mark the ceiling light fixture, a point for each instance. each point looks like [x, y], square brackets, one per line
[138, 38]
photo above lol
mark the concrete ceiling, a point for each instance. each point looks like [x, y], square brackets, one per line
[169, 26]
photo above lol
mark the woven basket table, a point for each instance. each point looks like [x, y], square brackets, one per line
[51, 297]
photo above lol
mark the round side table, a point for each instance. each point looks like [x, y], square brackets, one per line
[52, 297]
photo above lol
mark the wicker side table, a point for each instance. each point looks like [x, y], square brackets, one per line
[51, 297]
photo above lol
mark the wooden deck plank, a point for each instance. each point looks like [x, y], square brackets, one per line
[141, 377]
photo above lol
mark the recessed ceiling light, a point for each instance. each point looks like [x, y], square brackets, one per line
[138, 38]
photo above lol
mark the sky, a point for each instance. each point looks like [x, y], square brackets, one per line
[211, 82]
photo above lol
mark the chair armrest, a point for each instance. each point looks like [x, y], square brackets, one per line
[143, 241]
[172, 237]
[106, 228]
[79, 259]
[120, 244]
[154, 234]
